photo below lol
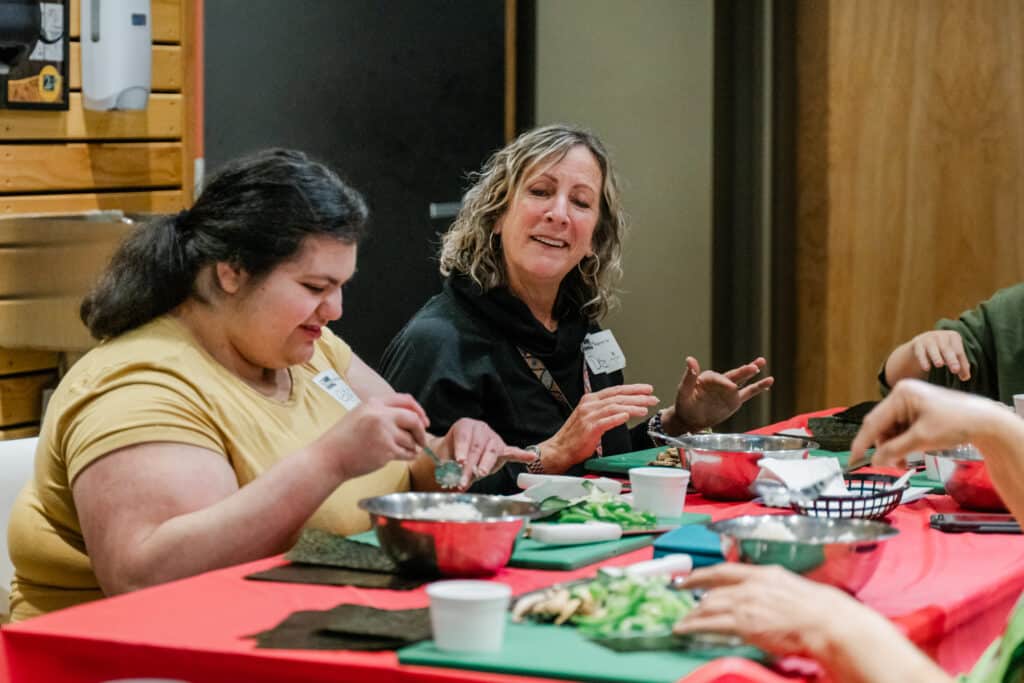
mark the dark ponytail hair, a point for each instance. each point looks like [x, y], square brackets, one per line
[254, 214]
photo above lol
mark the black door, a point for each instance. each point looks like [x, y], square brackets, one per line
[402, 97]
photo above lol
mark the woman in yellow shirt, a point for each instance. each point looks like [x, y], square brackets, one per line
[219, 415]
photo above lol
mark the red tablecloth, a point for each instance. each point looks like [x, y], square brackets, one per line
[950, 593]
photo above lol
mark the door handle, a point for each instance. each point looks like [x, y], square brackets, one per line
[444, 209]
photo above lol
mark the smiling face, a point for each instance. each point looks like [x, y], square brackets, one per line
[549, 224]
[275, 321]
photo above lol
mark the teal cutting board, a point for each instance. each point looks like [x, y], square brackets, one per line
[529, 554]
[561, 652]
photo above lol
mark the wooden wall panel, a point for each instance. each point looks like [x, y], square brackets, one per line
[161, 201]
[162, 118]
[47, 168]
[167, 22]
[167, 68]
[923, 155]
[8, 433]
[54, 163]
[21, 397]
[20, 360]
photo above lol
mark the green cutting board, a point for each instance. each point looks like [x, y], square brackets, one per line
[532, 555]
[561, 652]
[924, 480]
[624, 462]
[529, 554]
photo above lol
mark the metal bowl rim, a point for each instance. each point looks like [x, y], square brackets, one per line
[886, 533]
[703, 443]
[367, 504]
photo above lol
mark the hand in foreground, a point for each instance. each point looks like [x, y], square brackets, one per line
[786, 614]
[480, 451]
[919, 416]
[381, 429]
[941, 348]
[704, 399]
[770, 607]
[596, 413]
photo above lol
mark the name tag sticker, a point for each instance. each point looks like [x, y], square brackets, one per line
[602, 352]
[333, 384]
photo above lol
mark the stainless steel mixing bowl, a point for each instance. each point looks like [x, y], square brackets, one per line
[448, 547]
[723, 466]
[839, 552]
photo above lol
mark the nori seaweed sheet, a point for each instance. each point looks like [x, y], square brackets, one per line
[347, 627]
[832, 434]
[411, 625]
[337, 576]
[324, 548]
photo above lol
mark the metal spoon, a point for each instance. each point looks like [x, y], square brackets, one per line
[447, 473]
[666, 438]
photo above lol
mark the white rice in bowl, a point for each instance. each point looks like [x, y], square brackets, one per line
[450, 512]
[772, 530]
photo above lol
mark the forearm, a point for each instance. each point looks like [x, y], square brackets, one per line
[868, 648]
[903, 364]
[1000, 437]
[257, 520]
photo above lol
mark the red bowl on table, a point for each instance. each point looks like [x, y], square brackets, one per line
[723, 466]
[965, 476]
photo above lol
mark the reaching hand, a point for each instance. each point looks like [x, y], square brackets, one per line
[786, 614]
[596, 413]
[382, 429]
[769, 607]
[480, 451]
[704, 399]
[919, 416]
[941, 348]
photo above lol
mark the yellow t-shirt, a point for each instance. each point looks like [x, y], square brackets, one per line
[156, 383]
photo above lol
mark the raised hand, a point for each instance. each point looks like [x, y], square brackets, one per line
[596, 413]
[941, 348]
[704, 399]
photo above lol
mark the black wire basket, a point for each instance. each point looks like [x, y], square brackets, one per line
[870, 498]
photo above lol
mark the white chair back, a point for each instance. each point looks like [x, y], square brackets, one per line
[17, 458]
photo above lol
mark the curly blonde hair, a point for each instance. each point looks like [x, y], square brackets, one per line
[469, 248]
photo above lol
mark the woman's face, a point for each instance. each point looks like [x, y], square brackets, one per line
[274, 322]
[549, 224]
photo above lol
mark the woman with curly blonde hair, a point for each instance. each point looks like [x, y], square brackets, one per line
[531, 263]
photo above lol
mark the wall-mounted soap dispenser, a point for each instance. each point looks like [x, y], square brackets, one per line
[116, 54]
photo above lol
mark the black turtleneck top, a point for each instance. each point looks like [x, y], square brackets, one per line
[459, 357]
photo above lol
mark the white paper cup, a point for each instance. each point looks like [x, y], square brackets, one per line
[1018, 404]
[468, 616]
[659, 490]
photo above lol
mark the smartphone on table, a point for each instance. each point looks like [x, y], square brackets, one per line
[975, 522]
